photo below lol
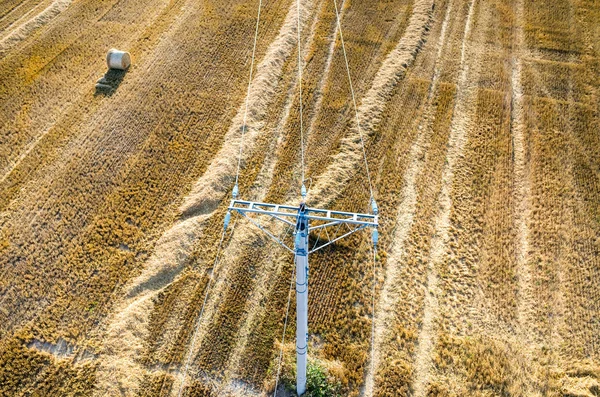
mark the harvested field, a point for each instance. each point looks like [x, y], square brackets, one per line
[481, 126]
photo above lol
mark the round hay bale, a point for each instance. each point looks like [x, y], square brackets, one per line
[117, 59]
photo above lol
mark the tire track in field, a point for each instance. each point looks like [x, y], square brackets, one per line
[128, 326]
[522, 192]
[8, 19]
[457, 140]
[405, 216]
[24, 30]
[23, 155]
[347, 160]
[320, 90]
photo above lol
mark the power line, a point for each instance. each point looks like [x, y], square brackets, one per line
[300, 88]
[362, 142]
[237, 174]
[244, 126]
[208, 285]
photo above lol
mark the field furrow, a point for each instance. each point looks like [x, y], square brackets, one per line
[390, 294]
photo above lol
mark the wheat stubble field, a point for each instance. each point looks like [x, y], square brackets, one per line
[482, 132]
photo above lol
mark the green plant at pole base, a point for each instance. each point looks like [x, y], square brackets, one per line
[319, 383]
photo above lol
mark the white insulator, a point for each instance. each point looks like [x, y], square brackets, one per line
[374, 206]
[117, 59]
[375, 237]
[227, 219]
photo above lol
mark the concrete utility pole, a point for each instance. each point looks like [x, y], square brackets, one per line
[301, 299]
[300, 218]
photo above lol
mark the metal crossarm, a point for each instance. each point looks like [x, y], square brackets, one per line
[279, 211]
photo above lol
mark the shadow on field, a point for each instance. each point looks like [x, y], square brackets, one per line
[108, 84]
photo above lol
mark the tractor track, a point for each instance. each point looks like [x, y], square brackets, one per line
[405, 214]
[457, 140]
[523, 189]
[373, 103]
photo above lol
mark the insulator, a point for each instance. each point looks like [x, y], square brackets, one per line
[375, 236]
[374, 206]
[227, 219]
[234, 193]
[303, 191]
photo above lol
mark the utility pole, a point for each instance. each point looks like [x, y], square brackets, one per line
[301, 246]
[302, 219]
